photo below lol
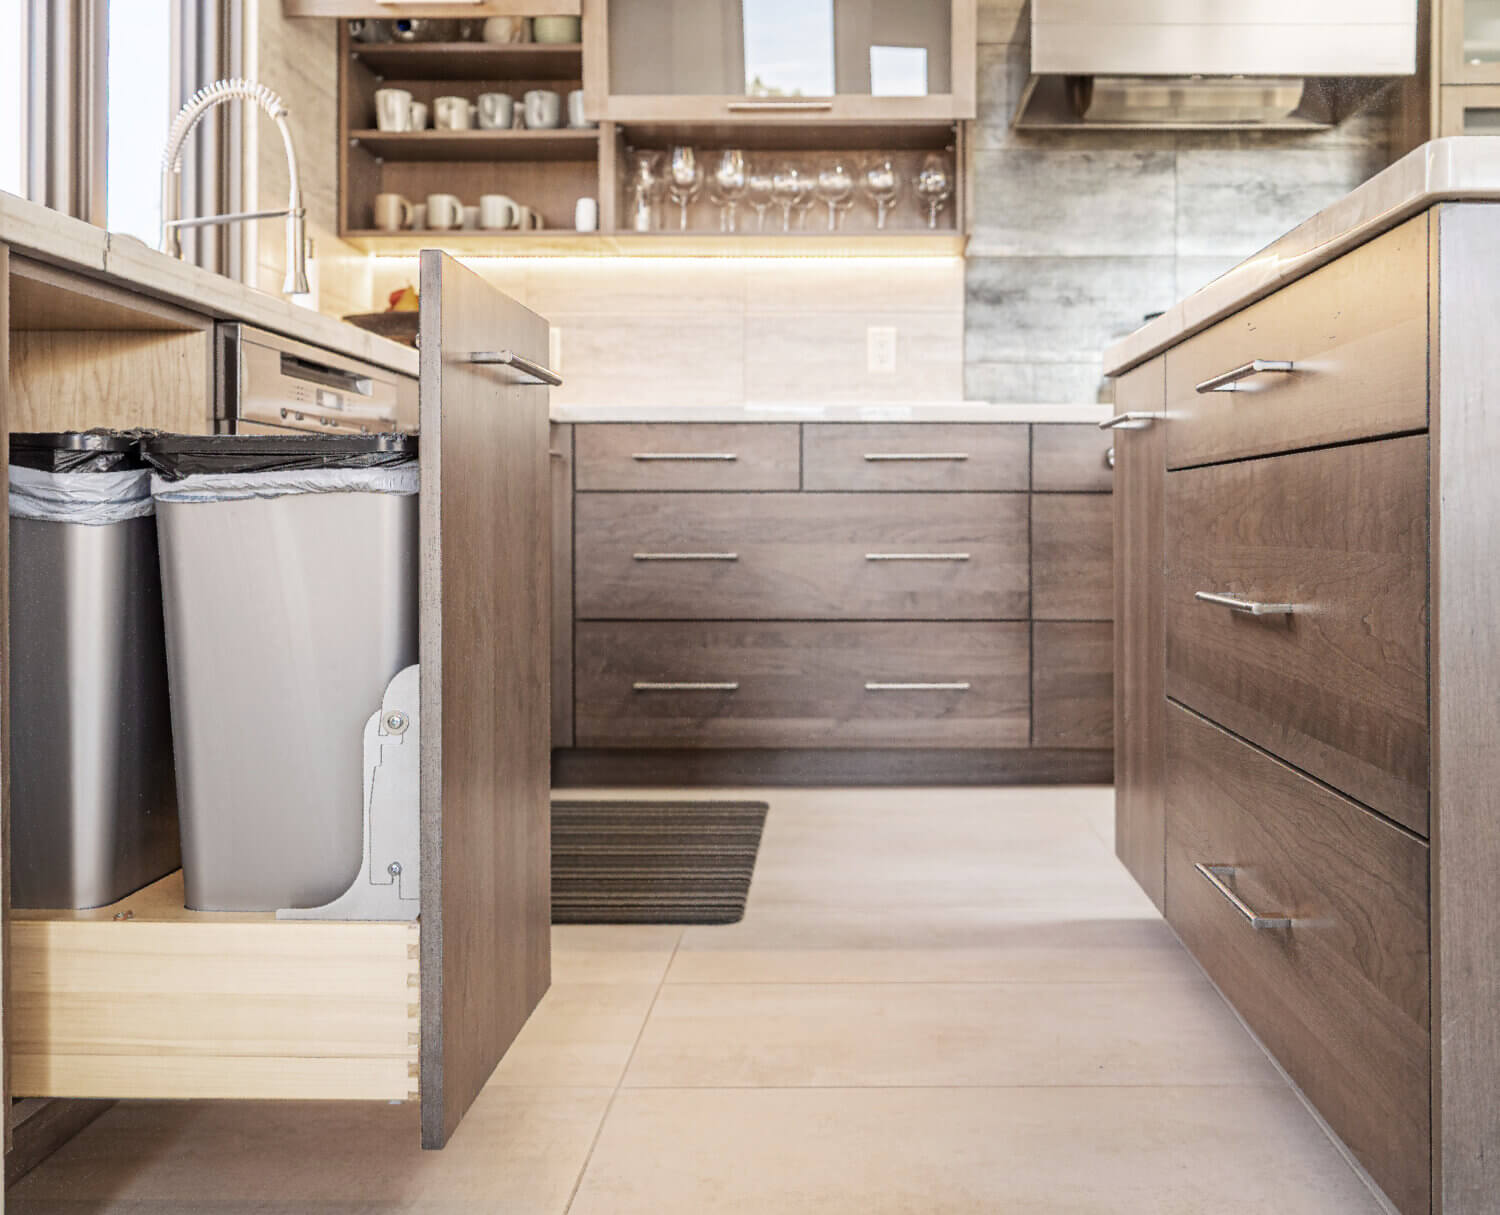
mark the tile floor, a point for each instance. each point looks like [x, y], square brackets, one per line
[938, 1002]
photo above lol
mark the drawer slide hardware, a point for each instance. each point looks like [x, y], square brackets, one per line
[685, 556]
[646, 457]
[917, 687]
[917, 557]
[1230, 381]
[643, 685]
[1249, 607]
[1134, 419]
[913, 457]
[1219, 877]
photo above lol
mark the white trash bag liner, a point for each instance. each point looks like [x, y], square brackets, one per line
[236, 487]
[94, 499]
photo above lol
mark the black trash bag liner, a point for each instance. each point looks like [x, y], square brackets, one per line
[177, 456]
[71, 451]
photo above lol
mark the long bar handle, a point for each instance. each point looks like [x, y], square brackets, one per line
[1250, 607]
[1219, 877]
[895, 457]
[642, 685]
[711, 456]
[959, 686]
[1132, 419]
[509, 358]
[1229, 381]
[778, 106]
[916, 556]
[685, 556]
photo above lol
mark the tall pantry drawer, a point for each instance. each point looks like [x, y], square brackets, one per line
[801, 557]
[1310, 913]
[688, 456]
[915, 456]
[1330, 548]
[1355, 335]
[779, 684]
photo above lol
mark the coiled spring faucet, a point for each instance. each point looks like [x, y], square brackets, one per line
[201, 102]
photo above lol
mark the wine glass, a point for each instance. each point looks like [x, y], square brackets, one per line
[760, 188]
[881, 184]
[644, 181]
[684, 178]
[834, 187]
[934, 185]
[807, 195]
[727, 184]
[788, 187]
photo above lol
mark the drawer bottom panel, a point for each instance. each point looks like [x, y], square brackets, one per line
[738, 684]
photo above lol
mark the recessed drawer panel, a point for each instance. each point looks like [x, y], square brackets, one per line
[801, 557]
[778, 684]
[688, 456]
[915, 456]
[1297, 612]
[1072, 557]
[1354, 334]
[1310, 913]
[1072, 458]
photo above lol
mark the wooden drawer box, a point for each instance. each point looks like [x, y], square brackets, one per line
[1340, 995]
[1072, 557]
[1338, 686]
[779, 684]
[914, 456]
[1355, 333]
[801, 557]
[1071, 458]
[688, 456]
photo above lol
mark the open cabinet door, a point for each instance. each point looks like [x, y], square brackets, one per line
[486, 675]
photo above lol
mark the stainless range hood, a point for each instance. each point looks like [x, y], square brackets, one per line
[1211, 64]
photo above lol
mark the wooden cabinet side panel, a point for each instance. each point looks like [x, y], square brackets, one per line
[5, 426]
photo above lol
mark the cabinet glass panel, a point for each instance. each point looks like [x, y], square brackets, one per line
[1481, 31]
[1482, 120]
[780, 48]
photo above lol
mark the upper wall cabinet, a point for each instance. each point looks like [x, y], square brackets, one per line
[767, 62]
[428, 8]
[1470, 34]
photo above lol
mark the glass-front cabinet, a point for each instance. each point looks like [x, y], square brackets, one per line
[1470, 109]
[789, 60]
[1470, 33]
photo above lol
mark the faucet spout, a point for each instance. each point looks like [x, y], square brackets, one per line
[208, 98]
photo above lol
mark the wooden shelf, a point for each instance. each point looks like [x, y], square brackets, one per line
[480, 145]
[471, 60]
[794, 133]
[563, 243]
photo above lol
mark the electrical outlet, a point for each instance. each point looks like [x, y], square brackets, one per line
[554, 349]
[880, 349]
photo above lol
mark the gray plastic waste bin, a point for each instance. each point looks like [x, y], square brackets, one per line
[93, 803]
[289, 576]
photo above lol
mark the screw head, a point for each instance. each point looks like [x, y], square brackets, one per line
[394, 868]
[396, 723]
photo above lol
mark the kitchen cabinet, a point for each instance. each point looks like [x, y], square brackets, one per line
[144, 999]
[1469, 41]
[393, 9]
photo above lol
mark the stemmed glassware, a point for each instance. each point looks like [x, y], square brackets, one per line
[834, 187]
[727, 184]
[759, 192]
[934, 185]
[881, 184]
[789, 185]
[684, 178]
[807, 195]
[644, 183]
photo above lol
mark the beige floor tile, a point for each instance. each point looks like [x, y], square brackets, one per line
[932, 1034]
[581, 1035]
[1145, 1151]
[519, 1152]
[612, 953]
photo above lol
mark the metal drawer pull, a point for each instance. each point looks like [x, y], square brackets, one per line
[646, 686]
[875, 457]
[1230, 380]
[686, 556]
[1133, 419]
[917, 687]
[509, 358]
[1250, 607]
[916, 556]
[1219, 877]
[1109, 458]
[645, 456]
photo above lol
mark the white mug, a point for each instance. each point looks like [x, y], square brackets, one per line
[497, 111]
[471, 217]
[507, 29]
[392, 109]
[586, 215]
[453, 113]
[543, 110]
[419, 116]
[498, 211]
[392, 212]
[576, 118]
[419, 217]
[444, 211]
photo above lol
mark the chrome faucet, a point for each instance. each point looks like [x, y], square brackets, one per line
[201, 102]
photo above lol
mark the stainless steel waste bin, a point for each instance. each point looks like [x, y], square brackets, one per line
[289, 575]
[93, 801]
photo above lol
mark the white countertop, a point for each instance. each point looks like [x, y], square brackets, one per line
[896, 411]
[45, 235]
[1462, 169]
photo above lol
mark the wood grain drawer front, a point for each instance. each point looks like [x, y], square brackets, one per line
[1355, 333]
[801, 557]
[688, 456]
[802, 685]
[1071, 458]
[1340, 994]
[1337, 685]
[1072, 684]
[1072, 557]
[915, 456]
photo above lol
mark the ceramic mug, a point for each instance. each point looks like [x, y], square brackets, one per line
[507, 29]
[529, 220]
[392, 110]
[471, 217]
[497, 111]
[498, 211]
[419, 216]
[586, 215]
[444, 211]
[576, 117]
[543, 110]
[453, 113]
[392, 212]
[557, 29]
[419, 116]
